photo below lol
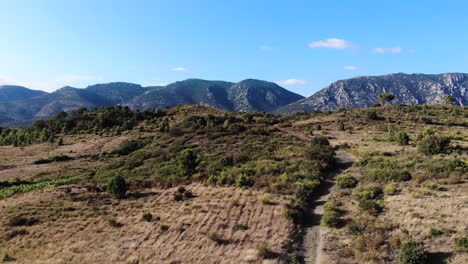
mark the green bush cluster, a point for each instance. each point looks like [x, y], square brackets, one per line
[368, 198]
[117, 187]
[331, 215]
[412, 252]
[346, 182]
[130, 146]
[433, 144]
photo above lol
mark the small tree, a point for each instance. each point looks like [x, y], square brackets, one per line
[433, 144]
[402, 138]
[117, 187]
[449, 100]
[188, 162]
[386, 97]
[412, 252]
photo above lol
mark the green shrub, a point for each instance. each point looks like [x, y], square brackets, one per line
[331, 216]
[264, 251]
[412, 252]
[114, 223]
[188, 162]
[402, 138]
[305, 191]
[432, 186]
[264, 199]
[390, 189]
[462, 243]
[22, 221]
[372, 115]
[244, 180]
[147, 217]
[130, 146]
[117, 187]
[341, 126]
[58, 158]
[8, 258]
[385, 169]
[240, 227]
[346, 182]
[320, 150]
[432, 144]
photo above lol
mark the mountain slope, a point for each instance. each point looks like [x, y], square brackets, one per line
[13, 93]
[248, 95]
[253, 95]
[363, 91]
[117, 92]
[191, 91]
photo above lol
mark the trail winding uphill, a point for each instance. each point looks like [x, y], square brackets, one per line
[312, 243]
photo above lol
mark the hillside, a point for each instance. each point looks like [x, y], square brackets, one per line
[245, 96]
[207, 186]
[363, 91]
[21, 105]
[13, 93]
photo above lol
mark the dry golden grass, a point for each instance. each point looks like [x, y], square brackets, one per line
[198, 230]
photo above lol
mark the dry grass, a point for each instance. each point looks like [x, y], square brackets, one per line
[180, 232]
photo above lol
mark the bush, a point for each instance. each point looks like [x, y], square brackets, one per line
[147, 217]
[320, 150]
[372, 115]
[58, 158]
[117, 187]
[244, 180]
[432, 144]
[369, 206]
[390, 189]
[305, 191]
[264, 251]
[462, 243]
[402, 138]
[412, 252]
[8, 258]
[264, 199]
[22, 221]
[130, 146]
[188, 163]
[331, 216]
[341, 126]
[346, 182]
[240, 227]
[113, 222]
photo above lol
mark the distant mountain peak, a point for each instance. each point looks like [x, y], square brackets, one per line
[363, 91]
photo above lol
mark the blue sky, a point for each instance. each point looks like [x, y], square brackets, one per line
[302, 45]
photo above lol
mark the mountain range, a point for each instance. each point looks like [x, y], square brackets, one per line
[20, 105]
[363, 91]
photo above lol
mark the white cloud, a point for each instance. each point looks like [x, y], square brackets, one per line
[394, 50]
[331, 43]
[265, 48]
[291, 82]
[351, 68]
[179, 69]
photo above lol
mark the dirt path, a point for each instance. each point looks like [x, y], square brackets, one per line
[312, 243]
